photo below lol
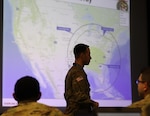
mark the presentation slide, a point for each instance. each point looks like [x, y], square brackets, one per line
[39, 37]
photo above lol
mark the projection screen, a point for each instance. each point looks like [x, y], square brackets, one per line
[38, 40]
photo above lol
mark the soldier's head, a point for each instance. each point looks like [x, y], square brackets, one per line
[143, 82]
[27, 88]
[82, 53]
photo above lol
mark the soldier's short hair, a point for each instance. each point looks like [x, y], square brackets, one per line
[26, 88]
[79, 48]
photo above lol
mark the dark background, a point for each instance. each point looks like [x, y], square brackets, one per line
[148, 18]
[140, 43]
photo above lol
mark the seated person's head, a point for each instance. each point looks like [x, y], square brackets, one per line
[27, 89]
[144, 82]
[145, 75]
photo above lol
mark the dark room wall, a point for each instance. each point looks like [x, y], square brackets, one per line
[148, 14]
[139, 40]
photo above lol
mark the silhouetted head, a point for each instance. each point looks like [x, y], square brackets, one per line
[82, 53]
[27, 88]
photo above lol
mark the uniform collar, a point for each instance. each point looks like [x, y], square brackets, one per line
[147, 96]
[78, 65]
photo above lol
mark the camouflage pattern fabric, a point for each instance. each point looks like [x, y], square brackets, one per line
[143, 104]
[32, 109]
[77, 90]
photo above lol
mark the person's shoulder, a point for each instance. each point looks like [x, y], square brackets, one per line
[49, 110]
[53, 111]
[138, 104]
[9, 111]
[146, 110]
[35, 108]
[73, 70]
[56, 112]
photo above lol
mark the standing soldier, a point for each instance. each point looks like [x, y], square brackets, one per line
[77, 87]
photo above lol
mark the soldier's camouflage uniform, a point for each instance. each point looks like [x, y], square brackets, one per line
[77, 90]
[32, 109]
[144, 104]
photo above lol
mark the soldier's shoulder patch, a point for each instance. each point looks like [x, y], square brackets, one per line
[79, 78]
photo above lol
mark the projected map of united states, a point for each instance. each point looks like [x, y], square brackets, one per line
[45, 32]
